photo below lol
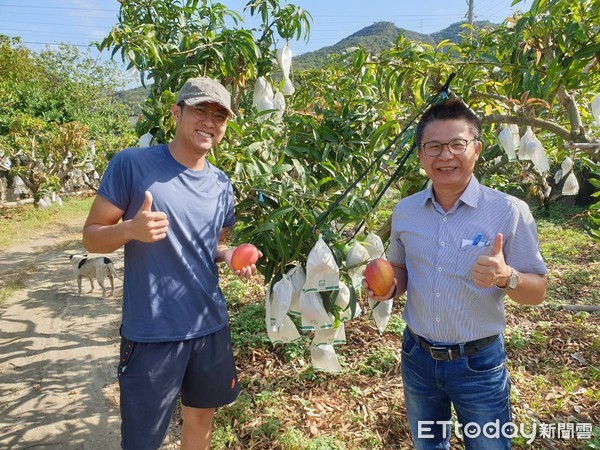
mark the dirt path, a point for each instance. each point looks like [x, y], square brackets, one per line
[57, 352]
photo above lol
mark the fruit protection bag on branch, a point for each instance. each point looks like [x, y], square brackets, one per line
[284, 57]
[330, 336]
[281, 300]
[313, 313]
[530, 148]
[280, 328]
[297, 277]
[263, 97]
[343, 302]
[382, 311]
[322, 272]
[509, 138]
[265, 100]
[356, 259]
[571, 186]
[323, 358]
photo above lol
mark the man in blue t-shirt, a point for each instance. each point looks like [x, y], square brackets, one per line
[171, 209]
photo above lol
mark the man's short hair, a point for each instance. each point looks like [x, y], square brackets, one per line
[453, 109]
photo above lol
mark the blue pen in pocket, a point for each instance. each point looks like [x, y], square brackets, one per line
[477, 239]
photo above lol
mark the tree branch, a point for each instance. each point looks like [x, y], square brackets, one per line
[568, 101]
[525, 121]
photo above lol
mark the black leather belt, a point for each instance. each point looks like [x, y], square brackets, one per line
[452, 352]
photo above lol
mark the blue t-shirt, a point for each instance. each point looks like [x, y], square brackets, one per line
[171, 287]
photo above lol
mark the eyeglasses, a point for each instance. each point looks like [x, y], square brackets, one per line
[201, 112]
[455, 146]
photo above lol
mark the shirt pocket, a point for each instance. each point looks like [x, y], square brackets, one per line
[467, 256]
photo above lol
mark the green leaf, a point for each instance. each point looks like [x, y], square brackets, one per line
[282, 247]
[587, 52]
[278, 213]
[235, 128]
[282, 168]
[262, 228]
[353, 301]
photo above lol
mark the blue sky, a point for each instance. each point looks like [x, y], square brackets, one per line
[41, 23]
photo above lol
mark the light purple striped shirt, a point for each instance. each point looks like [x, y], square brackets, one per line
[443, 303]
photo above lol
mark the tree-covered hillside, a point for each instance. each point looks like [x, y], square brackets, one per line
[379, 37]
[133, 99]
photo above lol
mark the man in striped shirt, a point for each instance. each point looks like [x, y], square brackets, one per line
[457, 249]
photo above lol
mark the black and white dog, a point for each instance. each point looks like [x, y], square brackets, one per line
[99, 267]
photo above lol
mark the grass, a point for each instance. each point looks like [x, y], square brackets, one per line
[10, 288]
[286, 404]
[22, 223]
[572, 256]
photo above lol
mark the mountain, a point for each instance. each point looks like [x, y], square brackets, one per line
[133, 99]
[378, 37]
[453, 31]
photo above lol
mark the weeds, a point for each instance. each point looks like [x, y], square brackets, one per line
[22, 223]
[9, 289]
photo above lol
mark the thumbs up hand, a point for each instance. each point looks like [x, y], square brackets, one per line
[490, 270]
[148, 225]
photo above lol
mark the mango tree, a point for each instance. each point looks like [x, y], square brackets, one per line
[53, 105]
[169, 41]
[43, 155]
[539, 70]
[287, 172]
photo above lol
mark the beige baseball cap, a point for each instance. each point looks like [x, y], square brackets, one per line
[204, 90]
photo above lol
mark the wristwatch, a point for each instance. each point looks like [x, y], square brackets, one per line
[513, 280]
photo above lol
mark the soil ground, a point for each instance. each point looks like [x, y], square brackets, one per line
[58, 352]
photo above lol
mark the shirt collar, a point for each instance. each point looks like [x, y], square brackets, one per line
[469, 197]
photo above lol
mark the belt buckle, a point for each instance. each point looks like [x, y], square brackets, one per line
[442, 350]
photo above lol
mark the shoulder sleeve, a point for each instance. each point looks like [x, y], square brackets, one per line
[225, 185]
[521, 246]
[116, 181]
[396, 251]
[230, 213]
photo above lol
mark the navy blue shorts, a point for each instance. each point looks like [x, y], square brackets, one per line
[152, 375]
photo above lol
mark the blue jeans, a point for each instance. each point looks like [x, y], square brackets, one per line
[477, 385]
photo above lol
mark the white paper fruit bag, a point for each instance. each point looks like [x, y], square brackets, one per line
[507, 140]
[313, 312]
[374, 246]
[323, 358]
[343, 301]
[298, 278]
[322, 272]
[330, 336]
[382, 311]
[284, 57]
[356, 261]
[284, 333]
[281, 300]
